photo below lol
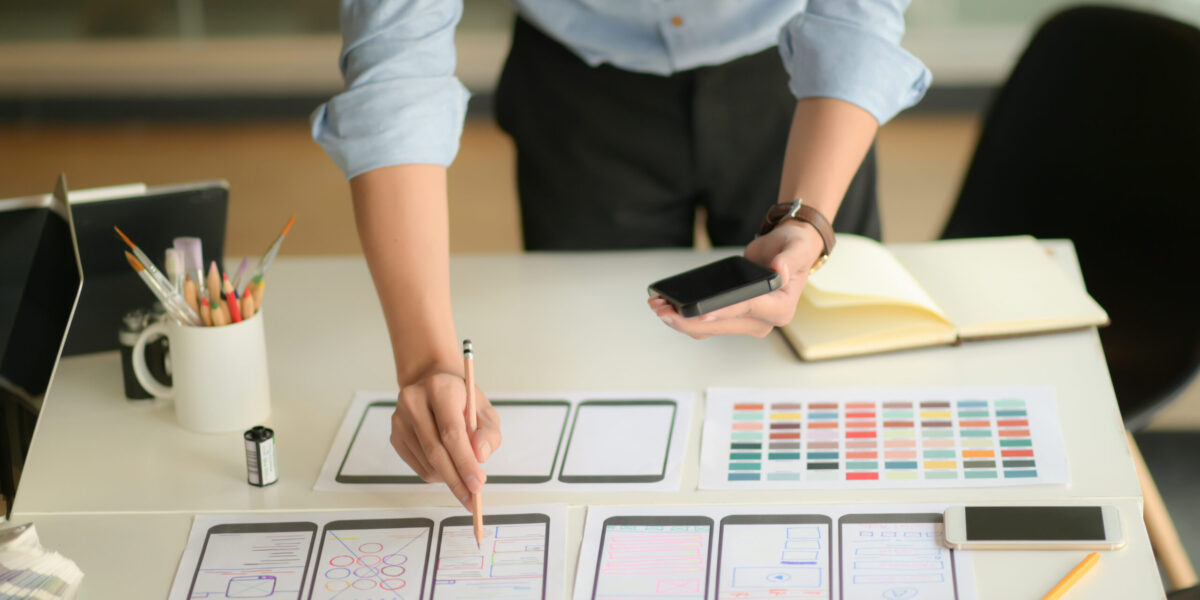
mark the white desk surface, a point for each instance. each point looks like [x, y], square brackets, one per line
[150, 546]
[541, 323]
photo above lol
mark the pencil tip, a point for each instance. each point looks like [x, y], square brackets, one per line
[288, 226]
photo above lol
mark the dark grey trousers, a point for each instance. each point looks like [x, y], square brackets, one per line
[608, 158]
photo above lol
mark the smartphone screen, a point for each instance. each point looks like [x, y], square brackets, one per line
[619, 441]
[774, 556]
[1008, 523]
[253, 560]
[895, 556]
[510, 563]
[643, 557]
[372, 558]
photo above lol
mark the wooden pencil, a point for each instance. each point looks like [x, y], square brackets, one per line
[247, 306]
[472, 425]
[235, 311]
[220, 313]
[214, 283]
[190, 294]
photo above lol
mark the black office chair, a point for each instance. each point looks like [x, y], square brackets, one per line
[1096, 137]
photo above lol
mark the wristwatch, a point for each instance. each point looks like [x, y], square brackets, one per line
[801, 212]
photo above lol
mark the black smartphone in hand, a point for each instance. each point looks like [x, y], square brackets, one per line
[716, 285]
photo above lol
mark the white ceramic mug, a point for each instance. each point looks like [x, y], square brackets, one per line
[219, 374]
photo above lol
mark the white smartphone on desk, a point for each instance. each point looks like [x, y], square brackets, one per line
[1034, 528]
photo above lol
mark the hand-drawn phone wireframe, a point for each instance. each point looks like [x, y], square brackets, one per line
[775, 556]
[253, 560]
[372, 558]
[528, 458]
[510, 563]
[653, 556]
[895, 556]
[619, 441]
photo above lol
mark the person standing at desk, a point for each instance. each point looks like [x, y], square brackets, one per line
[626, 115]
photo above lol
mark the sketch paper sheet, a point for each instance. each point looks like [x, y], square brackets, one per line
[552, 442]
[760, 552]
[881, 438]
[396, 554]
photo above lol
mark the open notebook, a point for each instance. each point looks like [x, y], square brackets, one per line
[870, 298]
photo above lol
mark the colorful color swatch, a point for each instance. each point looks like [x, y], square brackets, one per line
[940, 437]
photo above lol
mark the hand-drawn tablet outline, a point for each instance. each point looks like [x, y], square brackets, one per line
[890, 518]
[654, 521]
[273, 527]
[794, 519]
[619, 478]
[340, 478]
[519, 519]
[350, 524]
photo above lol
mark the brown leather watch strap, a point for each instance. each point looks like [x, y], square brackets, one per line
[801, 212]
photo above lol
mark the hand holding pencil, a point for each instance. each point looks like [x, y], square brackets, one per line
[430, 430]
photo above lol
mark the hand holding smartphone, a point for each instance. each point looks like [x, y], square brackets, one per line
[716, 285]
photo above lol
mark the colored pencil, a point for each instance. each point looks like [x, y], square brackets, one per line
[472, 425]
[1073, 577]
[206, 311]
[190, 295]
[257, 288]
[248, 308]
[220, 313]
[235, 312]
[214, 282]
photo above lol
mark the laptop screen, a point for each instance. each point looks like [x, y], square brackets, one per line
[40, 279]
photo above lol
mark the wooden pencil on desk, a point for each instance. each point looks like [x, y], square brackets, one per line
[472, 425]
[1073, 577]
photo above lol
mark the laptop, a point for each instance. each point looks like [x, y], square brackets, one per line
[40, 281]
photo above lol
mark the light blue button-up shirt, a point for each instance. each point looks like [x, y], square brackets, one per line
[403, 104]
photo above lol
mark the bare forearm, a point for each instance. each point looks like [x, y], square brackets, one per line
[826, 145]
[403, 227]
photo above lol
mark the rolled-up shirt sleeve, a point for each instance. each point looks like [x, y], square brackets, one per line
[850, 50]
[402, 103]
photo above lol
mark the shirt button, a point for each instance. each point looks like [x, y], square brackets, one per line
[677, 21]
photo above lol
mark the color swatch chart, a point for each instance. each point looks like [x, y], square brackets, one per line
[881, 438]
